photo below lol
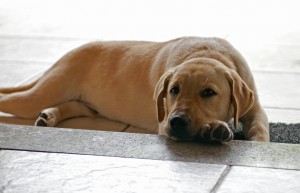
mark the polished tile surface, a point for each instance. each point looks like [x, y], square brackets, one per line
[15, 72]
[36, 50]
[283, 95]
[33, 172]
[258, 180]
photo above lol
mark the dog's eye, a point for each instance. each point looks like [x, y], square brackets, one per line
[208, 93]
[175, 90]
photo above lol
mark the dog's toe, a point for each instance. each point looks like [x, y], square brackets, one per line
[222, 134]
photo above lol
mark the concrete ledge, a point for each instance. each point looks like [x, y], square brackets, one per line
[146, 146]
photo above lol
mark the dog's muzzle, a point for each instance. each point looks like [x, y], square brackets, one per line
[179, 127]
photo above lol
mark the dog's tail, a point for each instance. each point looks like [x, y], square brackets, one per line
[24, 85]
[20, 88]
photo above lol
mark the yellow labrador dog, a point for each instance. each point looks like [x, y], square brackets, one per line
[198, 85]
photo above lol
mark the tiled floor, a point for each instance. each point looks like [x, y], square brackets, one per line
[34, 172]
[36, 159]
[34, 34]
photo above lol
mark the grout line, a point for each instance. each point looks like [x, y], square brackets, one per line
[221, 179]
[282, 108]
[52, 62]
[278, 71]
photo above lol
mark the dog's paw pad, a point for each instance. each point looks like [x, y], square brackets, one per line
[222, 134]
[217, 131]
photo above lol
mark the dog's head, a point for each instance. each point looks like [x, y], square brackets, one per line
[196, 93]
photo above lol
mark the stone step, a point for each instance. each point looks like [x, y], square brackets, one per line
[54, 159]
[146, 146]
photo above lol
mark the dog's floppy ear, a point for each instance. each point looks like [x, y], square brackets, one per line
[241, 95]
[160, 94]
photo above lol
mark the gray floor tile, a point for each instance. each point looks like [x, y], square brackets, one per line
[145, 146]
[278, 89]
[278, 51]
[16, 72]
[50, 49]
[260, 180]
[48, 172]
[35, 49]
[283, 115]
[97, 19]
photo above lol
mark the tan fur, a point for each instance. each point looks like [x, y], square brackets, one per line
[118, 80]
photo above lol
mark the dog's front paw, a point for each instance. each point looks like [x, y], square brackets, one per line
[216, 131]
[45, 119]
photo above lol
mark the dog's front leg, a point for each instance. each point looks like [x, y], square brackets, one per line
[51, 116]
[256, 125]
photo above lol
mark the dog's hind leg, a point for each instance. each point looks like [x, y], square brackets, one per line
[47, 92]
[51, 116]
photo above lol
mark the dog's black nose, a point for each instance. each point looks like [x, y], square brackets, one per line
[179, 123]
